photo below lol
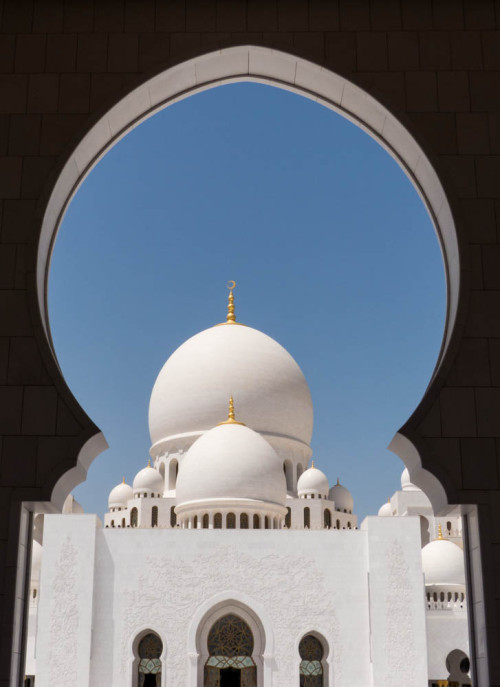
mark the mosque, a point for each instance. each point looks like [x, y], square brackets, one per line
[230, 561]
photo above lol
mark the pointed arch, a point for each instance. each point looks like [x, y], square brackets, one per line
[252, 613]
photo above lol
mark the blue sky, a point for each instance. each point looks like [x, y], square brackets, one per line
[333, 252]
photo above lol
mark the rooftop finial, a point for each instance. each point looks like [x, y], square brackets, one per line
[440, 532]
[123, 479]
[338, 483]
[230, 415]
[149, 462]
[231, 419]
[231, 317]
[312, 463]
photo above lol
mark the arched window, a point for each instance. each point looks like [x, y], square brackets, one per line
[307, 517]
[288, 517]
[230, 646]
[133, 517]
[149, 668]
[348, 525]
[311, 663]
[195, 522]
[205, 521]
[327, 518]
[154, 516]
[448, 526]
[266, 523]
[173, 517]
[112, 523]
[218, 521]
[337, 524]
[288, 468]
[244, 521]
[123, 522]
[231, 521]
[256, 522]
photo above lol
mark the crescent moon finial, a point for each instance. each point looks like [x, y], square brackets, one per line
[231, 317]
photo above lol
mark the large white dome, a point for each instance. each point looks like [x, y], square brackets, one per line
[231, 462]
[443, 563]
[193, 386]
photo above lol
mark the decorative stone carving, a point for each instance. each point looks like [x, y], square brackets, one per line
[167, 595]
[64, 618]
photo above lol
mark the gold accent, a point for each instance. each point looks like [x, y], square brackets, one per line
[440, 533]
[231, 317]
[338, 483]
[231, 420]
[149, 462]
[123, 480]
[312, 464]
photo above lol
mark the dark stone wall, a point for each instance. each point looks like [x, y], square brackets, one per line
[434, 63]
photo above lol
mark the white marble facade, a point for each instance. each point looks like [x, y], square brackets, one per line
[231, 520]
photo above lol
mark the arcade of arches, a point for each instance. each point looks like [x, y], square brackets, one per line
[434, 72]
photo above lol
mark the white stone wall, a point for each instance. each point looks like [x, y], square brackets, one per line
[397, 615]
[102, 587]
[446, 631]
[66, 610]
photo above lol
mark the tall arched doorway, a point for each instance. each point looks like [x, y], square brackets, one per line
[230, 646]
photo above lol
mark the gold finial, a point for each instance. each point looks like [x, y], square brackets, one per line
[231, 317]
[149, 462]
[440, 532]
[388, 500]
[338, 483]
[123, 479]
[312, 463]
[231, 419]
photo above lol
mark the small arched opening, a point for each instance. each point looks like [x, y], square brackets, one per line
[327, 519]
[458, 668]
[307, 517]
[312, 661]
[288, 467]
[424, 531]
[147, 665]
[173, 469]
[133, 517]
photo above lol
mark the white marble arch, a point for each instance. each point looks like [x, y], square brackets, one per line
[133, 654]
[275, 68]
[321, 635]
[252, 612]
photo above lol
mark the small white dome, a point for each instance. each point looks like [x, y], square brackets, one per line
[36, 559]
[230, 462]
[194, 384]
[443, 563]
[119, 495]
[148, 480]
[385, 510]
[342, 497]
[313, 481]
[406, 483]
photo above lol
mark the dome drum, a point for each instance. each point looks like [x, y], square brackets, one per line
[232, 514]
